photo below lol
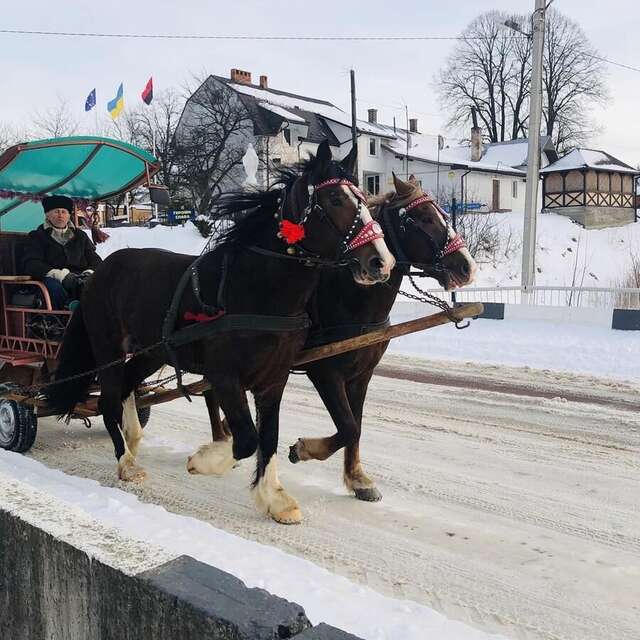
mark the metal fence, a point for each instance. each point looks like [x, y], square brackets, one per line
[584, 297]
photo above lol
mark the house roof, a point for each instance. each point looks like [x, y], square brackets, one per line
[425, 147]
[589, 159]
[291, 107]
[514, 153]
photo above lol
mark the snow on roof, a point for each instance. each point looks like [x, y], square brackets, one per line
[279, 111]
[425, 147]
[324, 109]
[589, 159]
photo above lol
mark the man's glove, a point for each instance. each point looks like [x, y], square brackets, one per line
[70, 283]
[58, 274]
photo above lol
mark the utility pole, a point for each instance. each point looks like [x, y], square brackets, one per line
[354, 128]
[406, 110]
[533, 160]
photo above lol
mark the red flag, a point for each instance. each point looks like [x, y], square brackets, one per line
[147, 94]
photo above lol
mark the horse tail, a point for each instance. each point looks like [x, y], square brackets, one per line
[75, 357]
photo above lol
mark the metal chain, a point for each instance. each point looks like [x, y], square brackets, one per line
[34, 389]
[428, 298]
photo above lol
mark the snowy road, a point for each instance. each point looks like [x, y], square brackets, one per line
[512, 509]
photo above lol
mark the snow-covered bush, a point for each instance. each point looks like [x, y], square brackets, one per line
[204, 224]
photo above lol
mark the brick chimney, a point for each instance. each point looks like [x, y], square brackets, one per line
[413, 125]
[264, 82]
[476, 138]
[372, 115]
[241, 77]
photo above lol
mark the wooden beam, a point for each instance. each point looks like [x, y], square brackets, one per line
[90, 407]
[336, 348]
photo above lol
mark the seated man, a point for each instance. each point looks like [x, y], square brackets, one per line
[57, 253]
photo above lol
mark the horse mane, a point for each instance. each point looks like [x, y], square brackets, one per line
[377, 202]
[249, 211]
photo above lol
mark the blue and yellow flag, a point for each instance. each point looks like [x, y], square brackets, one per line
[115, 106]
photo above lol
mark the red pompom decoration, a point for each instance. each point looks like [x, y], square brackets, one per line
[291, 232]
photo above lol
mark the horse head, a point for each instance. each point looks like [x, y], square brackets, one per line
[324, 214]
[420, 235]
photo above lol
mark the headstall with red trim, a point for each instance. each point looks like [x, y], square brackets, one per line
[454, 244]
[293, 232]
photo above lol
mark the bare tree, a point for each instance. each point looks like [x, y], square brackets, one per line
[490, 69]
[55, 121]
[211, 140]
[573, 81]
[9, 136]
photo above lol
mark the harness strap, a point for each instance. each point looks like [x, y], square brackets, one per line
[238, 322]
[320, 336]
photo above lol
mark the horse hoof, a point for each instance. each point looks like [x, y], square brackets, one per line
[131, 472]
[293, 453]
[368, 494]
[213, 459]
[291, 516]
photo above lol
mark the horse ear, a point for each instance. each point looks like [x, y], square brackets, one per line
[323, 155]
[402, 188]
[349, 161]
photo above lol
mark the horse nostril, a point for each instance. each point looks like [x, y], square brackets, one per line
[465, 268]
[376, 264]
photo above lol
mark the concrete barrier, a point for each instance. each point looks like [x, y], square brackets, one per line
[52, 590]
[621, 319]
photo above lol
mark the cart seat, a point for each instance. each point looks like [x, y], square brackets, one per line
[16, 358]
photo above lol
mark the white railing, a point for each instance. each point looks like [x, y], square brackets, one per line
[584, 297]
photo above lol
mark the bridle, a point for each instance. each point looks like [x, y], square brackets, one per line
[350, 241]
[450, 244]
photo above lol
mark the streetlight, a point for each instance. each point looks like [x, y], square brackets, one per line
[533, 159]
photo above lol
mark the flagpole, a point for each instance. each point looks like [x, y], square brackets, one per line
[153, 143]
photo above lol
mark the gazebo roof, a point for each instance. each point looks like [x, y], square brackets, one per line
[589, 159]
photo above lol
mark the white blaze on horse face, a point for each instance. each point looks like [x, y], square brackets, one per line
[464, 252]
[388, 261]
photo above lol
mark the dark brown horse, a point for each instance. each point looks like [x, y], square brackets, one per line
[418, 234]
[251, 276]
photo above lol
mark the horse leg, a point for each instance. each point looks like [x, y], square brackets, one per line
[113, 412]
[219, 456]
[354, 476]
[219, 427]
[135, 371]
[332, 390]
[269, 494]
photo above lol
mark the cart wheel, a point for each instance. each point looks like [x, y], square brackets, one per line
[18, 426]
[144, 413]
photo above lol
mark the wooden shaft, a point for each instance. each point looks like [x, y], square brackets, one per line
[336, 348]
[394, 331]
[90, 408]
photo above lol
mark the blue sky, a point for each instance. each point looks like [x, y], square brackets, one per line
[38, 70]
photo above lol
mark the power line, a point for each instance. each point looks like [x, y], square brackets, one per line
[615, 64]
[167, 36]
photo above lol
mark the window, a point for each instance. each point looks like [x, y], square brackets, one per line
[287, 135]
[373, 150]
[514, 189]
[373, 184]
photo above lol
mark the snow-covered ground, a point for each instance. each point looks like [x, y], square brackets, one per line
[567, 254]
[180, 239]
[537, 345]
[326, 597]
[543, 345]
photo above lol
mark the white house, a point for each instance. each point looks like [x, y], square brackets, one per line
[286, 127]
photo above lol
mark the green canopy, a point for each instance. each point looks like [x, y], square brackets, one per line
[81, 167]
